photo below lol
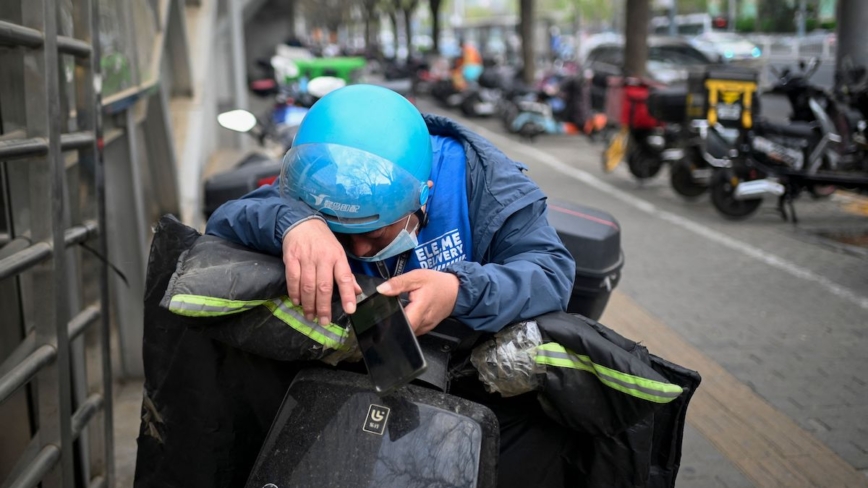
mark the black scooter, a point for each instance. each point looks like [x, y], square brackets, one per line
[821, 149]
[333, 430]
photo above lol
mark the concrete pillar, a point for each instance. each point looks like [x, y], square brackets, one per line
[852, 34]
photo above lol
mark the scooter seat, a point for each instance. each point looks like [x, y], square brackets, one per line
[799, 130]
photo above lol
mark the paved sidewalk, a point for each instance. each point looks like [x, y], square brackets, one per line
[765, 444]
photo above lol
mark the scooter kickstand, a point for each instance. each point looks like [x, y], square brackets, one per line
[793, 211]
[782, 208]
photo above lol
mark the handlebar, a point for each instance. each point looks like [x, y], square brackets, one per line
[806, 71]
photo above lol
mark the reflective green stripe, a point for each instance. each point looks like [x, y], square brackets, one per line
[199, 306]
[331, 335]
[554, 354]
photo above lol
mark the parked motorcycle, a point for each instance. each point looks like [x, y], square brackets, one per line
[559, 106]
[713, 111]
[821, 149]
[257, 168]
[644, 142]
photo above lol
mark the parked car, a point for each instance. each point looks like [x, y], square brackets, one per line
[670, 61]
[726, 47]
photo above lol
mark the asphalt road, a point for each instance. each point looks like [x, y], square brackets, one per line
[776, 305]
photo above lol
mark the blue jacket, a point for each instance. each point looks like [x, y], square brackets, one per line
[519, 269]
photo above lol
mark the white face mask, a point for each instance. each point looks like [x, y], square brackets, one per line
[403, 242]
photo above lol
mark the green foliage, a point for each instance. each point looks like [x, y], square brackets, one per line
[745, 24]
[476, 12]
[777, 16]
[692, 6]
[594, 10]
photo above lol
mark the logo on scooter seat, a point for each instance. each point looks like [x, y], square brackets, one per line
[375, 422]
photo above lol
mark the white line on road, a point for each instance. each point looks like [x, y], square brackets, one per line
[699, 229]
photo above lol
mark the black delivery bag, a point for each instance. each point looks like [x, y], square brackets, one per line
[668, 105]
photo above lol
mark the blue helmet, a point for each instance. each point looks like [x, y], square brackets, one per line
[361, 158]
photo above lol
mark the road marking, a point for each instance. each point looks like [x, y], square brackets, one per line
[687, 224]
[764, 443]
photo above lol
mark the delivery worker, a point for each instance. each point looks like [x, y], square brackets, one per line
[371, 186]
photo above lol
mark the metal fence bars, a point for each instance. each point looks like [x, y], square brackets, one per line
[55, 375]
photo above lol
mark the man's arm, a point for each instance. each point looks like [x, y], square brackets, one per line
[314, 259]
[528, 272]
[259, 220]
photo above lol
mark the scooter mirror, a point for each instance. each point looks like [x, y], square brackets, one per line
[237, 120]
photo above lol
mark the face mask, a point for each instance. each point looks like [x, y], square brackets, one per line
[403, 242]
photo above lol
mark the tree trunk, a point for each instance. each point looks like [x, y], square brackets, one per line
[434, 6]
[367, 34]
[408, 26]
[393, 17]
[757, 21]
[577, 31]
[636, 42]
[290, 12]
[527, 38]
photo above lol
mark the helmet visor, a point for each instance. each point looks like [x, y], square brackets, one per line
[354, 190]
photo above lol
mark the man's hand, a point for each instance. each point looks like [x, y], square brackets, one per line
[315, 260]
[432, 296]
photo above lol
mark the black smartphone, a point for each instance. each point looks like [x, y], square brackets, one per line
[389, 347]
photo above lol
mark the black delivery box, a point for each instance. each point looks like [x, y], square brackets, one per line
[593, 237]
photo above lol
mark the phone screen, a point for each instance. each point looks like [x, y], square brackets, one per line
[389, 347]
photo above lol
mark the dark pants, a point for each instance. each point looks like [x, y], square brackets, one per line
[535, 451]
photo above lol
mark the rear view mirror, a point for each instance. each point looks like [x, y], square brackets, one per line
[237, 120]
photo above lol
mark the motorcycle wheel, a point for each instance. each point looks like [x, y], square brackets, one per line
[468, 106]
[723, 185]
[681, 178]
[642, 164]
[820, 192]
[508, 114]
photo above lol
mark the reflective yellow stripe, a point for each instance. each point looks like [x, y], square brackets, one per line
[553, 354]
[200, 306]
[331, 335]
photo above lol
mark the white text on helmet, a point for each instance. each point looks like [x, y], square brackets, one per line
[340, 207]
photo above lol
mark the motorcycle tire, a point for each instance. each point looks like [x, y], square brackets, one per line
[822, 192]
[723, 185]
[681, 179]
[468, 106]
[508, 114]
[641, 164]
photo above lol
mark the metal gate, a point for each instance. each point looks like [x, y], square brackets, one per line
[55, 373]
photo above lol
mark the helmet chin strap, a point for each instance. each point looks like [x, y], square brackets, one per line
[422, 215]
